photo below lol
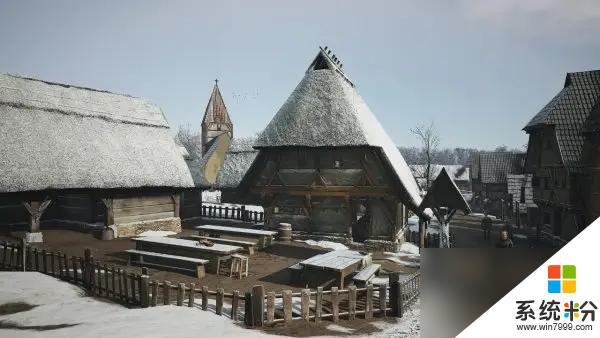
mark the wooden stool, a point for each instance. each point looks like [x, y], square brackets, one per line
[239, 266]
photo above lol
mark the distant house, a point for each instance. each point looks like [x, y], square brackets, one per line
[460, 174]
[563, 157]
[489, 172]
[86, 156]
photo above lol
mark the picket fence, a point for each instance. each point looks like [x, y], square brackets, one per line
[225, 212]
[259, 308]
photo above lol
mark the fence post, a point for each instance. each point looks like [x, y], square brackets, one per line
[395, 295]
[234, 304]
[166, 292]
[287, 305]
[335, 304]
[319, 304]
[60, 266]
[144, 301]
[87, 257]
[270, 307]
[45, 261]
[74, 263]
[191, 295]
[24, 253]
[4, 253]
[204, 297]
[369, 302]
[305, 304]
[180, 292]
[258, 304]
[248, 315]
[219, 301]
[351, 302]
[154, 299]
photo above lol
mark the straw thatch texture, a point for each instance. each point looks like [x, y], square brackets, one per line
[56, 136]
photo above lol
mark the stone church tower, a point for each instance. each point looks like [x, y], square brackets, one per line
[216, 119]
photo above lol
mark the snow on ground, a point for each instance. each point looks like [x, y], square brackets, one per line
[480, 215]
[157, 233]
[324, 244]
[408, 256]
[63, 310]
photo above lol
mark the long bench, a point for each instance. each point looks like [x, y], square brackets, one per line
[161, 260]
[248, 245]
[366, 274]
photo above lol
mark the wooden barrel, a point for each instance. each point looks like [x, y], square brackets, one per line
[285, 232]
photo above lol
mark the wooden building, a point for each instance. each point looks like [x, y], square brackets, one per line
[563, 171]
[85, 156]
[489, 172]
[327, 166]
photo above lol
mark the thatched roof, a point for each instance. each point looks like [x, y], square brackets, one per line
[57, 136]
[325, 110]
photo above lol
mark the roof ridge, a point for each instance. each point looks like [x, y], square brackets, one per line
[66, 85]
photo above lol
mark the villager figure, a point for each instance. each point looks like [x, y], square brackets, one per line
[486, 225]
[504, 241]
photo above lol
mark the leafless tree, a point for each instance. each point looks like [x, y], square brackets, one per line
[191, 140]
[430, 140]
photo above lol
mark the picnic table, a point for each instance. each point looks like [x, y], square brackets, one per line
[265, 237]
[187, 248]
[337, 263]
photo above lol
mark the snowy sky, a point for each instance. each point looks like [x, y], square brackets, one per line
[479, 69]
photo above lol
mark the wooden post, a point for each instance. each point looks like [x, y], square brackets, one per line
[287, 305]
[35, 210]
[166, 292]
[258, 304]
[219, 301]
[113, 283]
[99, 279]
[395, 296]
[180, 293]
[176, 204]
[369, 302]
[44, 261]
[335, 304]
[234, 304]
[383, 299]
[248, 315]
[421, 233]
[305, 304]
[191, 295]
[120, 280]
[74, 263]
[144, 301]
[107, 294]
[132, 282]
[351, 302]
[24, 254]
[319, 304]
[11, 260]
[154, 299]
[125, 280]
[60, 266]
[52, 270]
[270, 307]
[85, 271]
[110, 213]
[4, 253]
[204, 297]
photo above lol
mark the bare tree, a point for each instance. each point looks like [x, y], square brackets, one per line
[191, 140]
[430, 141]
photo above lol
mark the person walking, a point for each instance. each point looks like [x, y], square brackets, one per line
[486, 225]
[504, 241]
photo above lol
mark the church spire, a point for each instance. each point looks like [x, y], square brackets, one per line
[216, 119]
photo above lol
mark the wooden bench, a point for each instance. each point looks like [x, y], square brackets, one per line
[248, 245]
[161, 260]
[365, 275]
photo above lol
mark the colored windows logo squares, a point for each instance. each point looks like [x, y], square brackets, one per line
[561, 279]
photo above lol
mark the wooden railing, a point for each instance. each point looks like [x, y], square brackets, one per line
[133, 289]
[214, 211]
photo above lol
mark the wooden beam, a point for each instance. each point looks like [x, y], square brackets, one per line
[110, 213]
[36, 210]
[176, 204]
[341, 191]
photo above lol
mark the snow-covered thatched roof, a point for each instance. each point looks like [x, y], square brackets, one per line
[325, 110]
[58, 136]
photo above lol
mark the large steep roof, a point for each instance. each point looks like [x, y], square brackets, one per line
[326, 110]
[58, 136]
[216, 111]
[567, 112]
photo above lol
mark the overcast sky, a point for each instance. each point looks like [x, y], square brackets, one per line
[479, 69]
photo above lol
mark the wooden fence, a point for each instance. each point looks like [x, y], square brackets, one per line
[133, 289]
[214, 211]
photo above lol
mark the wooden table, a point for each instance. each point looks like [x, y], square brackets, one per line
[265, 237]
[188, 248]
[339, 263]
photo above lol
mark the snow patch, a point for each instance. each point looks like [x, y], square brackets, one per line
[325, 244]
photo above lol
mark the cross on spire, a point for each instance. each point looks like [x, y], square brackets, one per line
[216, 81]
